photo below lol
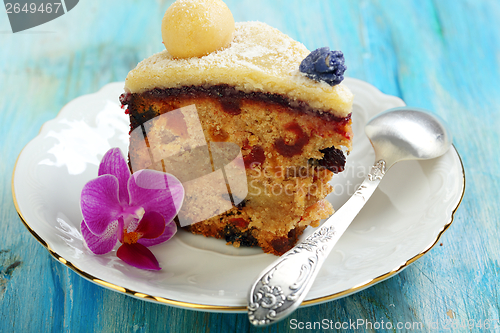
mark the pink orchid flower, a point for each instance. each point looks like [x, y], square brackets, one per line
[135, 209]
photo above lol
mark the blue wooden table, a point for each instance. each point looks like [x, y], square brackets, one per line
[440, 55]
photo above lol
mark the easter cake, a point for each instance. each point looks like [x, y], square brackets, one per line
[275, 113]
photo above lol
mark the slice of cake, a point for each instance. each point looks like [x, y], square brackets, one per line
[226, 110]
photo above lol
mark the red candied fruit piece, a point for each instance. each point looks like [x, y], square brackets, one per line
[295, 149]
[240, 223]
[256, 156]
[231, 105]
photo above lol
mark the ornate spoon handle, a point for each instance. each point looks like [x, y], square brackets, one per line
[283, 285]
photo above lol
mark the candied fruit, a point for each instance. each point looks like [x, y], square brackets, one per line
[324, 65]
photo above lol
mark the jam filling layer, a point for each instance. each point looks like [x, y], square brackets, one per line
[230, 100]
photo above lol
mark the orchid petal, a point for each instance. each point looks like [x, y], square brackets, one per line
[121, 230]
[138, 255]
[132, 225]
[152, 225]
[113, 163]
[100, 204]
[169, 232]
[156, 191]
[104, 243]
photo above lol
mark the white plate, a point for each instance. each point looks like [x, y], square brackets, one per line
[403, 220]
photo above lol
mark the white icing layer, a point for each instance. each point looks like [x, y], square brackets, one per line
[260, 58]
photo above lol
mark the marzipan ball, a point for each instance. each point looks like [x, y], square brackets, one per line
[194, 28]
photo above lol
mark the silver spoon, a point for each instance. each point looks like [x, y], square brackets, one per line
[396, 135]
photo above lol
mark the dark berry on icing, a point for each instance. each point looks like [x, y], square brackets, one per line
[324, 65]
[333, 159]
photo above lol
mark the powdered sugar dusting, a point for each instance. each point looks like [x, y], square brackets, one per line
[260, 58]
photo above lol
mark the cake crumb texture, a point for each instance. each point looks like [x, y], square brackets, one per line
[282, 150]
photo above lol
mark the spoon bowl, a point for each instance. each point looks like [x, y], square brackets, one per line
[407, 134]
